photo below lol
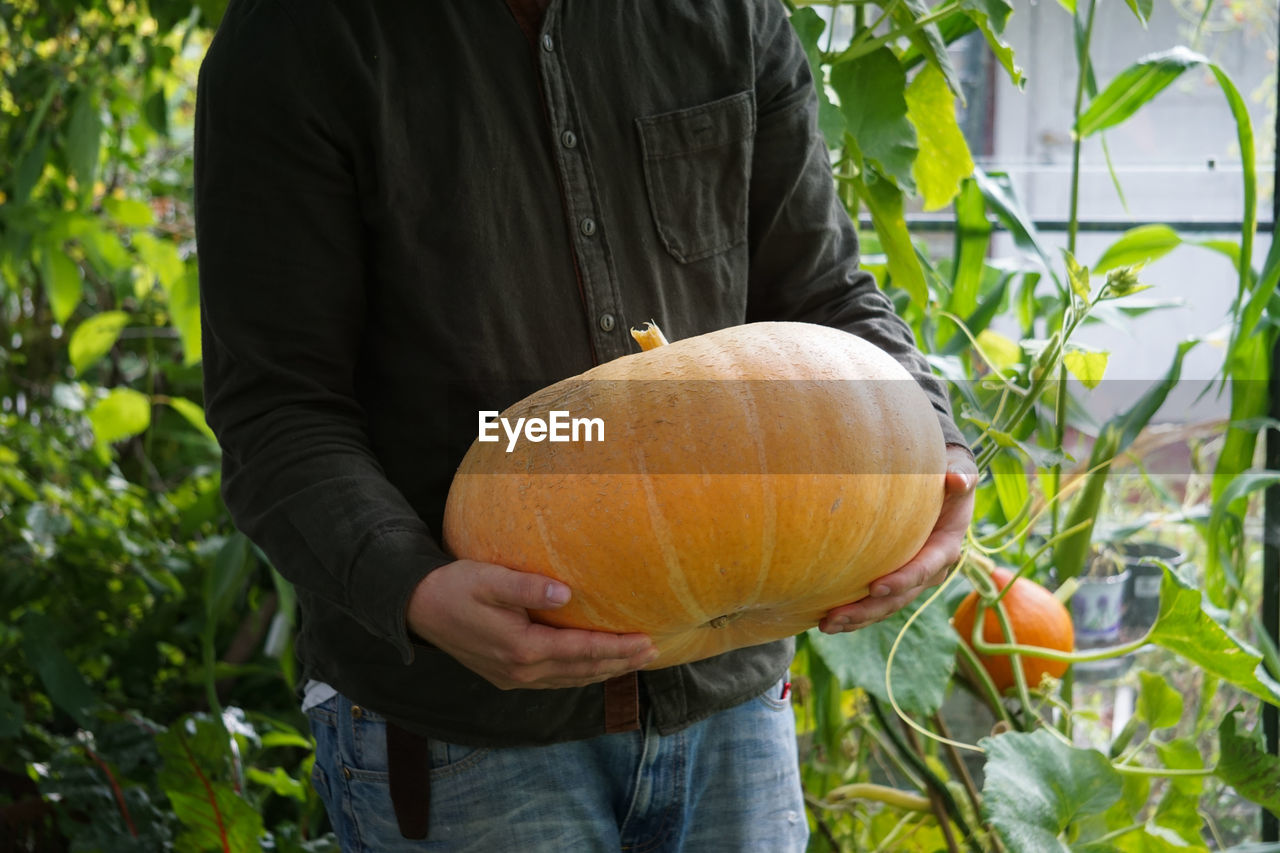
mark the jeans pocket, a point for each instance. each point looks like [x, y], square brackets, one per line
[777, 697]
[697, 167]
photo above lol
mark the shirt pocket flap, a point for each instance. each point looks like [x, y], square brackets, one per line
[697, 167]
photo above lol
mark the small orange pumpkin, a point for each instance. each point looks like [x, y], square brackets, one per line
[1036, 618]
[749, 480]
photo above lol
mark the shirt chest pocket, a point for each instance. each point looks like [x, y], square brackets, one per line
[697, 169]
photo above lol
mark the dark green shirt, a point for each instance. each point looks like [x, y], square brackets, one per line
[407, 214]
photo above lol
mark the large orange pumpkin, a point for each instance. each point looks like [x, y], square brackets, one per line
[1036, 618]
[749, 480]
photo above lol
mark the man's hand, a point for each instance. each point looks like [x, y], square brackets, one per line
[479, 614]
[927, 568]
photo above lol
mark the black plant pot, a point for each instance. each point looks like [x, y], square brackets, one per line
[1143, 594]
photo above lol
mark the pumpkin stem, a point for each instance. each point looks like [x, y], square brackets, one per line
[650, 337]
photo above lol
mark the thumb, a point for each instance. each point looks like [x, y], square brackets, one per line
[529, 591]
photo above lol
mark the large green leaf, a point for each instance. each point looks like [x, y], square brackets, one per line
[884, 202]
[1003, 201]
[1141, 9]
[62, 282]
[1159, 705]
[990, 17]
[1036, 787]
[184, 313]
[65, 686]
[872, 97]
[927, 39]
[161, 258]
[194, 774]
[1245, 764]
[1139, 245]
[83, 139]
[122, 414]
[922, 665]
[973, 237]
[1012, 488]
[94, 338]
[809, 25]
[1185, 626]
[193, 414]
[1134, 87]
[944, 159]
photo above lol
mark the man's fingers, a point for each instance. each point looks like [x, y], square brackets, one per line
[570, 645]
[525, 590]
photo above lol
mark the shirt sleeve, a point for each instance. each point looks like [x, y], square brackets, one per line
[804, 247]
[283, 281]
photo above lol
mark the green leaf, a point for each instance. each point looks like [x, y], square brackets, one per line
[1003, 201]
[1036, 787]
[1183, 754]
[973, 237]
[1185, 626]
[83, 138]
[944, 159]
[161, 258]
[1141, 9]
[990, 17]
[927, 40]
[872, 98]
[885, 204]
[1159, 705]
[809, 25]
[1178, 813]
[129, 212]
[1011, 484]
[12, 715]
[1004, 353]
[156, 112]
[1139, 245]
[1077, 276]
[64, 684]
[278, 782]
[1088, 367]
[29, 170]
[232, 567]
[184, 313]
[95, 337]
[922, 665]
[1245, 764]
[193, 776]
[1134, 87]
[62, 282]
[193, 413]
[122, 414]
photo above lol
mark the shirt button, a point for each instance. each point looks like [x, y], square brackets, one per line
[568, 139]
[607, 322]
[547, 44]
[587, 226]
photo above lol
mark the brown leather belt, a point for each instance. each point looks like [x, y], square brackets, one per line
[409, 756]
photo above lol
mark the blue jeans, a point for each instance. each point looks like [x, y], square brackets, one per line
[728, 783]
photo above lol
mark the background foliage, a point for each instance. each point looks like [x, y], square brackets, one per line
[145, 662]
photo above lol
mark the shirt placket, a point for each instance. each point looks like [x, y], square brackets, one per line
[587, 226]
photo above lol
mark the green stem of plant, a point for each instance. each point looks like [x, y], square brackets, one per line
[1114, 834]
[1133, 770]
[863, 45]
[1082, 63]
[988, 686]
[1056, 655]
[932, 781]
